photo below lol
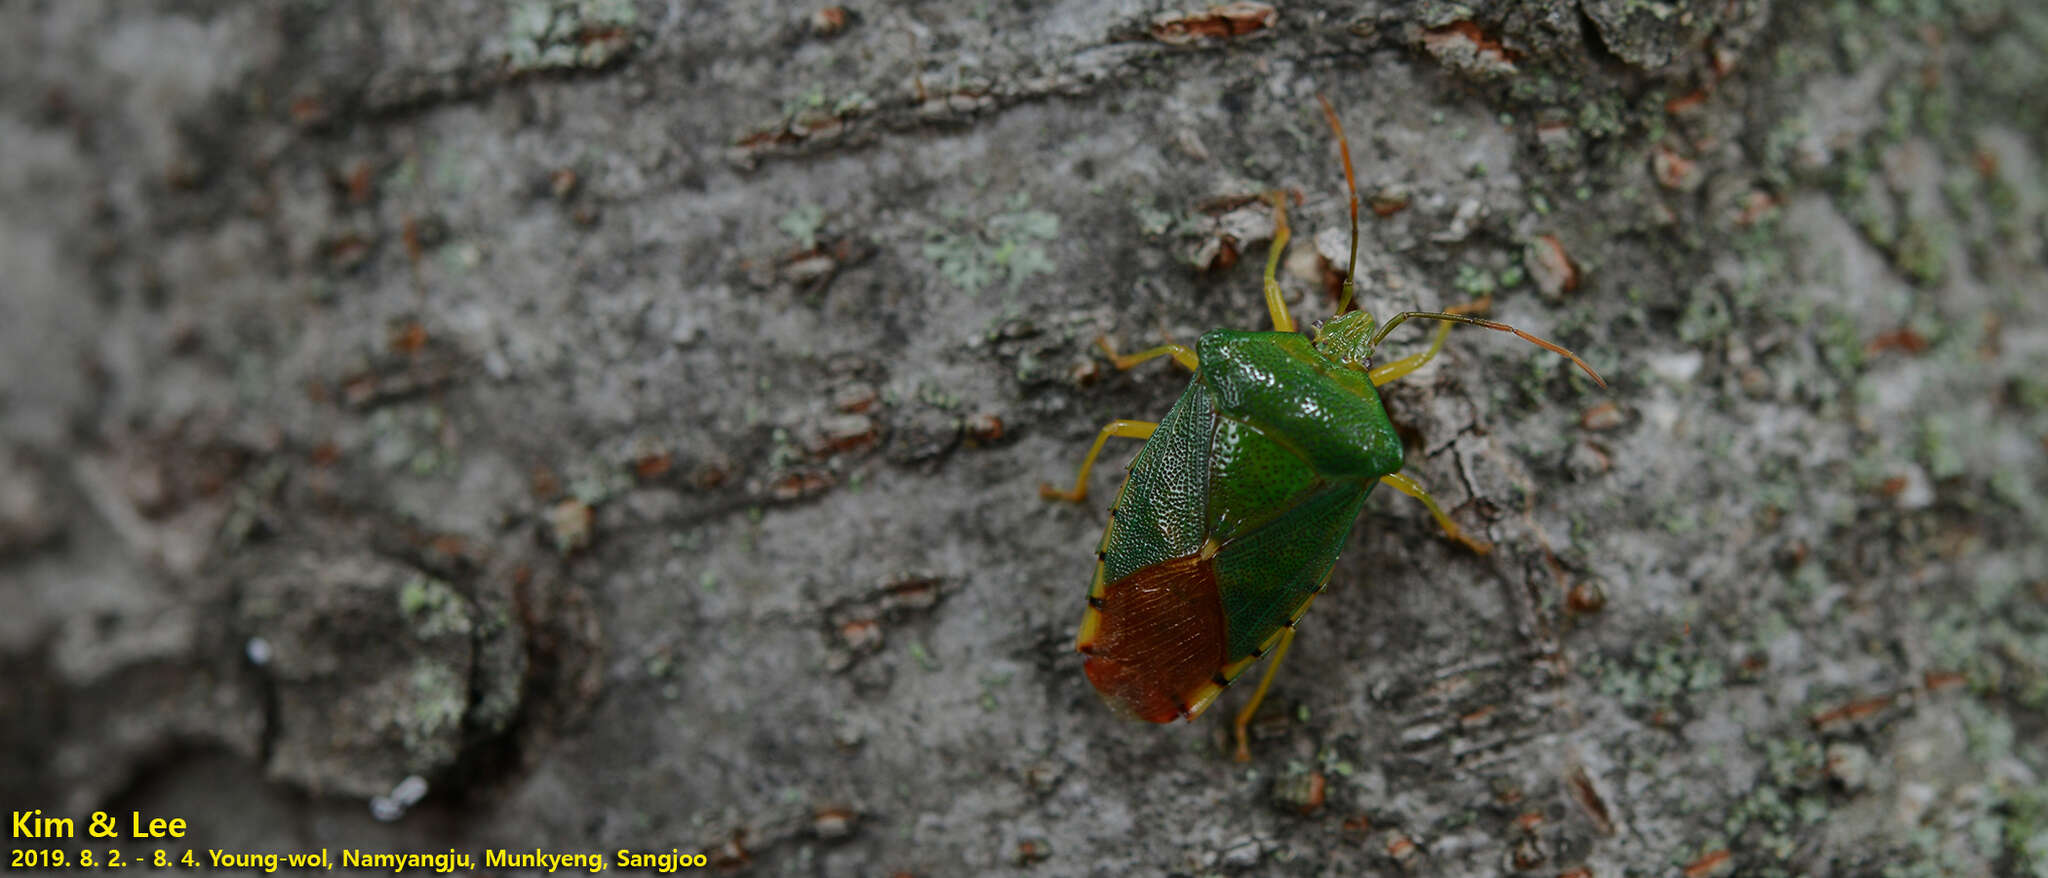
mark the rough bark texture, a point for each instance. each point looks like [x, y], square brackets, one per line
[627, 417]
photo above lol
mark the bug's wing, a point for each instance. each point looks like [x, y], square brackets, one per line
[1252, 479]
[1156, 640]
[1280, 525]
[1267, 576]
[1164, 641]
[1159, 511]
[1153, 631]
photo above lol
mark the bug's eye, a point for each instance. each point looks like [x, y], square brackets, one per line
[1316, 328]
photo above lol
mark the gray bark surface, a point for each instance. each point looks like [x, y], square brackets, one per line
[627, 417]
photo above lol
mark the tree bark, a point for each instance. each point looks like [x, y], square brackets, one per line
[626, 419]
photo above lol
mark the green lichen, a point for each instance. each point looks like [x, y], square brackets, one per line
[813, 98]
[1938, 450]
[934, 394]
[594, 482]
[1922, 250]
[432, 608]
[990, 683]
[922, 656]
[1706, 316]
[1657, 674]
[410, 438]
[556, 36]
[1475, 281]
[1152, 221]
[1781, 148]
[429, 719]
[2030, 392]
[802, 223]
[1841, 345]
[1006, 248]
[2024, 831]
[1603, 117]
[1899, 110]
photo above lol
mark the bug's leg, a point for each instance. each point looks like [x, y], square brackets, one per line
[1282, 321]
[1126, 429]
[1398, 368]
[1409, 486]
[1180, 353]
[1244, 715]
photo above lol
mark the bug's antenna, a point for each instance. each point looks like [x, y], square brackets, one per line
[1460, 318]
[1351, 185]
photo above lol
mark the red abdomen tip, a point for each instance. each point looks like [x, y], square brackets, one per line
[1160, 641]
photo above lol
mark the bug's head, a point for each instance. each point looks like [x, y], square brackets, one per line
[1351, 336]
[1347, 338]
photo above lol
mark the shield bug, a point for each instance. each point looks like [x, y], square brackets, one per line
[1236, 508]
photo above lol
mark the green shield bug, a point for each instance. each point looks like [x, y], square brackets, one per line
[1236, 508]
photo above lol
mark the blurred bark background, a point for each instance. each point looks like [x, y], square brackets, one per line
[626, 417]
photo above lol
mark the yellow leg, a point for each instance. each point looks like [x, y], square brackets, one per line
[1408, 486]
[1180, 353]
[1282, 321]
[1244, 716]
[1383, 374]
[1126, 429]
